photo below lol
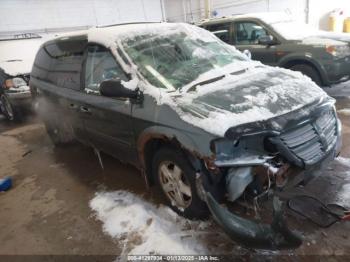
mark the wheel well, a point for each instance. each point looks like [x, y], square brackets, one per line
[151, 147]
[291, 63]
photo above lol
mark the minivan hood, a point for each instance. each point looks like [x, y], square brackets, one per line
[258, 94]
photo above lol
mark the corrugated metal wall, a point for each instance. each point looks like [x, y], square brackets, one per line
[22, 15]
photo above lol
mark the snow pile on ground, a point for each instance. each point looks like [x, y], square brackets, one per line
[344, 161]
[338, 90]
[144, 228]
[344, 194]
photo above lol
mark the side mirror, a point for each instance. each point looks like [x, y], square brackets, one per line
[115, 88]
[247, 53]
[266, 40]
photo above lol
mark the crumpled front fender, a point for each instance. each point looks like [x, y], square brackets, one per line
[251, 234]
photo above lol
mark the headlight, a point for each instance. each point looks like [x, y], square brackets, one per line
[14, 83]
[338, 50]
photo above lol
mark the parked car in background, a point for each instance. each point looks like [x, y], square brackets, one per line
[276, 39]
[16, 60]
[198, 118]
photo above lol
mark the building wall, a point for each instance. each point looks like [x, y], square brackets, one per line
[194, 10]
[320, 10]
[22, 15]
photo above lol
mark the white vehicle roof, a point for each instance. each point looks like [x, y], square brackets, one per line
[269, 18]
[17, 56]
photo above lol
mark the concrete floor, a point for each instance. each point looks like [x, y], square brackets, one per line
[47, 211]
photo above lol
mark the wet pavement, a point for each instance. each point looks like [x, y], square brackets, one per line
[47, 210]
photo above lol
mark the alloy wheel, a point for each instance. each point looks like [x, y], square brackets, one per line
[175, 184]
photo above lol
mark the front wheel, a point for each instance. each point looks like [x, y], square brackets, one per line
[176, 178]
[308, 71]
[7, 109]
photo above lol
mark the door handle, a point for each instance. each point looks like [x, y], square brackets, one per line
[73, 106]
[85, 110]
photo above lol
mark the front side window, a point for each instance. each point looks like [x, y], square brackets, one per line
[101, 66]
[177, 57]
[248, 33]
[222, 31]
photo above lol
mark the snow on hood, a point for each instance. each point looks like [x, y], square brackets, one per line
[258, 94]
[127, 217]
[322, 41]
[17, 56]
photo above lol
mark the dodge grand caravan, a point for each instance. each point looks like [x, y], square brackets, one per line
[199, 119]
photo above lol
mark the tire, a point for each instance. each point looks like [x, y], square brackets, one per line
[8, 110]
[176, 179]
[308, 71]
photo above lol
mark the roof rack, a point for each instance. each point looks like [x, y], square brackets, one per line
[20, 36]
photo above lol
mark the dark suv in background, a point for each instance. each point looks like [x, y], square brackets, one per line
[198, 118]
[275, 39]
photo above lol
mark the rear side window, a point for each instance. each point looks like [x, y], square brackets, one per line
[41, 66]
[60, 62]
[248, 33]
[100, 66]
[222, 31]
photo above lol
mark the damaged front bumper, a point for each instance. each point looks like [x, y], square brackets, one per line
[256, 235]
[308, 147]
[249, 233]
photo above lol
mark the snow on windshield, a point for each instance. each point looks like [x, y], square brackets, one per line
[177, 56]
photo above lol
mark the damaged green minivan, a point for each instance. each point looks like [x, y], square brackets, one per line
[198, 118]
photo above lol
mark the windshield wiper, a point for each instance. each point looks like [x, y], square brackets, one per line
[205, 82]
[216, 79]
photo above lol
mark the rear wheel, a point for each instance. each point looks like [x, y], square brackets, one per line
[308, 71]
[177, 180]
[59, 131]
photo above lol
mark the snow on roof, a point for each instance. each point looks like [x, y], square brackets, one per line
[267, 17]
[109, 35]
[17, 56]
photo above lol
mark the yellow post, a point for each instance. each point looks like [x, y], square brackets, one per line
[332, 21]
[347, 25]
[207, 8]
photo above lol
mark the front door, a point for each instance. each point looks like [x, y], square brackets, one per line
[107, 120]
[246, 37]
